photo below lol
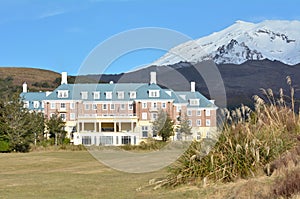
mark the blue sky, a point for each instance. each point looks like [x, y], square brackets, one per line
[59, 34]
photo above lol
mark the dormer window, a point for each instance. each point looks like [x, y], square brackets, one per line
[153, 93]
[194, 102]
[84, 95]
[120, 94]
[96, 95]
[132, 94]
[36, 104]
[26, 104]
[108, 95]
[63, 94]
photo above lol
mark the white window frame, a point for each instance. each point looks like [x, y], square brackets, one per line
[87, 107]
[112, 106]
[207, 122]
[132, 94]
[52, 105]
[36, 104]
[120, 94]
[144, 105]
[189, 113]
[163, 105]
[198, 112]
[190, 122]
[145, 130]
[198, 122]
[153, 93]
[108, 95]
[72, 105]
[96, 95]
[26, 104]
[72, 116]
[63, 106]
[144, 116]
[104, 106]
[84, 95]
[194, 102]
[153, 116]
[63, 94]
[153, 104]
[94, 106]
[130, 106]
[207, 112]
[63, 116]
[122, 107]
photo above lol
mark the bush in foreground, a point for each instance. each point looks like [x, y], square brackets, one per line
[249, 141]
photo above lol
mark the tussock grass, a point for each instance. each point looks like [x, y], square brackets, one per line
[249, 141]
[288, 185]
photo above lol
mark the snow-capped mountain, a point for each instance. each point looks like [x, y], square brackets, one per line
[242, 41]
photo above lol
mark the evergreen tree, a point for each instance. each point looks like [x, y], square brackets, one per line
[56, 128]
[38, 129]
[163, 125]
[185, 127]
[15, 125]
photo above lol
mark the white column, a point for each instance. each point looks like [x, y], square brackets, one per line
[100, 127]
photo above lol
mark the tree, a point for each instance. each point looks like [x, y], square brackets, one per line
[185, 127]
[38, 129]
[163, 125]
[55, 126]
[15, 125]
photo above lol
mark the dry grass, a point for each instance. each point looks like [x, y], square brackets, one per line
[29, 75]
[65, 174]
[250, 143]
[76, 174]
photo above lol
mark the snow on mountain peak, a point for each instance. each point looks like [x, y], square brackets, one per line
[271, 39]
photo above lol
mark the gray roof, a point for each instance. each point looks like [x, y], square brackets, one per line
[33, 96]
[75, 91]
[142, 93]
[204, 102]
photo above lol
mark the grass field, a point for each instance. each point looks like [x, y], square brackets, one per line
[76, 174]
[67, 174]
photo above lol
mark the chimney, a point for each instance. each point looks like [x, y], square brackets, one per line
[24, 87]
[193, 87]
[152, 77]
[64, 78]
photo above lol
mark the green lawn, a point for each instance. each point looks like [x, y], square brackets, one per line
[67, 174]
[76, 174]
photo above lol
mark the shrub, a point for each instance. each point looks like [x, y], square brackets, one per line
[4, 146]
[150, 144]
[249, 140]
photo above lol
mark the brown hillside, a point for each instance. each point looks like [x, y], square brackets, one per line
[30, 75]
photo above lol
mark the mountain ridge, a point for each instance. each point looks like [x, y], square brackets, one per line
[241, 81]
[240, 42]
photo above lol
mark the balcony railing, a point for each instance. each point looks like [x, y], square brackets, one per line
[107, 116]
[153, 109]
